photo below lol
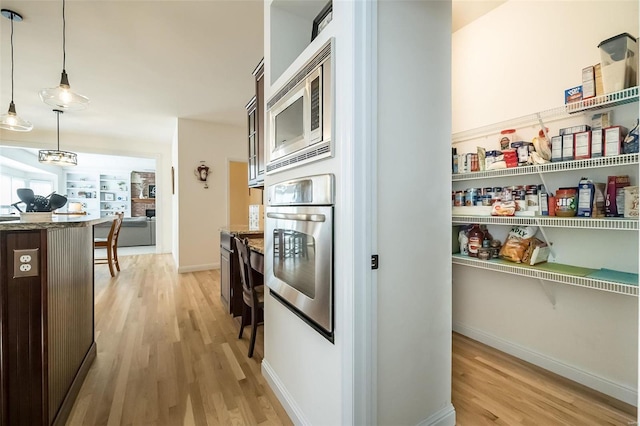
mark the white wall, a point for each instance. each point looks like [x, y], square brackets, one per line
[304, 369]
[517, 60]
[202, 212]
[316, 381]
[414, 280]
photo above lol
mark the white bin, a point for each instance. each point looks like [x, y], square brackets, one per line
[619, 61]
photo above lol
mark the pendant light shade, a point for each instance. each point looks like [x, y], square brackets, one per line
[61, 97]
[57, 157]
[11, 120]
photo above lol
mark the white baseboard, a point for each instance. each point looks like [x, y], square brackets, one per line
[196, 268]
[616, 390]
[283, 395]
[443, 417]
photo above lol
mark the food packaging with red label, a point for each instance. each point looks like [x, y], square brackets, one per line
[614, 198]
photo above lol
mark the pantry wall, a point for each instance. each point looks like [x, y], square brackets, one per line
[514, 61]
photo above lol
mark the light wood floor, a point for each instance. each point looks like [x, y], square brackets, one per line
[490, 387]
[169, 355]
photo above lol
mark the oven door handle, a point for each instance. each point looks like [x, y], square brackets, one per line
[302, 217]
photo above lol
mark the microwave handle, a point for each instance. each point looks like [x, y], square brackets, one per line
[302, 217]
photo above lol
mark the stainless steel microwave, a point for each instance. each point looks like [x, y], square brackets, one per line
[300, 115]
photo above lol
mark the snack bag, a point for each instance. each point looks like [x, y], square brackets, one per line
[517, 242]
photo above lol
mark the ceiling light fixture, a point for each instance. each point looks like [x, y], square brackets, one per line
[10, 120]
[57, 157]
[62, 97]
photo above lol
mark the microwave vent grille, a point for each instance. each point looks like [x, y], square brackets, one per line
[301, 75]
[303, 157]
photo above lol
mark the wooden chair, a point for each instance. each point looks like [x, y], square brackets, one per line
[252, 295]
[111, 244]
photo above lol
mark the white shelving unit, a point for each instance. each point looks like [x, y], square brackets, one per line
[612, 224]
[552, 272]
[609, 100]
[546, 275]
[83, 188]
[115, 195]
[560, 166]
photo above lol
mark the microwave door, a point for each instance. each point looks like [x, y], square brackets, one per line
[287, 133]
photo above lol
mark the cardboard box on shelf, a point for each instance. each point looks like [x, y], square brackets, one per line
[631, 201]
[597, 71]
[573, 94]
[588, 83]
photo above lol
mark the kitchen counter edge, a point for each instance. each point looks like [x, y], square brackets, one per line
[241, 230]
[55, 223]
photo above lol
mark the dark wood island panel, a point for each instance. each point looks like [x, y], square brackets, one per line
[46, 322]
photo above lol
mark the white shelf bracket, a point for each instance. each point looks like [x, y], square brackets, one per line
[549, 291]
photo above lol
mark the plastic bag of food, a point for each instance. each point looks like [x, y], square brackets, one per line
[517, 242]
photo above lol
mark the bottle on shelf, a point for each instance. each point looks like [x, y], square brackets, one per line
[475, 240]
[487, 237]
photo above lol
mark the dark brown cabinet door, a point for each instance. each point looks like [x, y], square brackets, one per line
[255, 112]
[253, 142]
[260, 143]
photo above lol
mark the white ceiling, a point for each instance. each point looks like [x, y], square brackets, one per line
[466, 11]
[141, 63]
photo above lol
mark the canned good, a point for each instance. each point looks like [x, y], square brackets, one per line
[486, 200]
[458, 199]
[495, 252]
[484, 253]
[470, 196]
[532, 197]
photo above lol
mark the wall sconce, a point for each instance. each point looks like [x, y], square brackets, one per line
[202, 173]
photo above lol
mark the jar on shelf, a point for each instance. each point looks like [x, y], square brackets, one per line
[566, 202]
[506, 137]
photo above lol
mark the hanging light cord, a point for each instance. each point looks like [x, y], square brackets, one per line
[12, 57]
[58, 122]
[64, 32]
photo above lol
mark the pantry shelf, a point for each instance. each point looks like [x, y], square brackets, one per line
[553, 272]
[599, 102]
[616, 224]
[561, 166]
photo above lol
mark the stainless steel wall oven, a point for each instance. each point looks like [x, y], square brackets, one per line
[299, 234]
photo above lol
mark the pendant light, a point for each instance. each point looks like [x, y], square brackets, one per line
[62, 97]
[10, 120]
[57, 157]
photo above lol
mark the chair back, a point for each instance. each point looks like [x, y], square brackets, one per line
[242, 248]
[114, 232]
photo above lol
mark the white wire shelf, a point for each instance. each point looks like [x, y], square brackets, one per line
[561, 166]
[547, 275]
[600, 102]
[616, 224]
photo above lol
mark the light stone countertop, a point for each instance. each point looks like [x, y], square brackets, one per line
[241, 230]
[256, 244]
[66, 221]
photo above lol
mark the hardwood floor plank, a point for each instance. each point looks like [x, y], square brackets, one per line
[490, 387]
[168, 353]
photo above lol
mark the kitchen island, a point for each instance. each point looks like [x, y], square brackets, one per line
[47, 340]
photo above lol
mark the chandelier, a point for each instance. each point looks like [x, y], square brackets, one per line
[57, 157]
